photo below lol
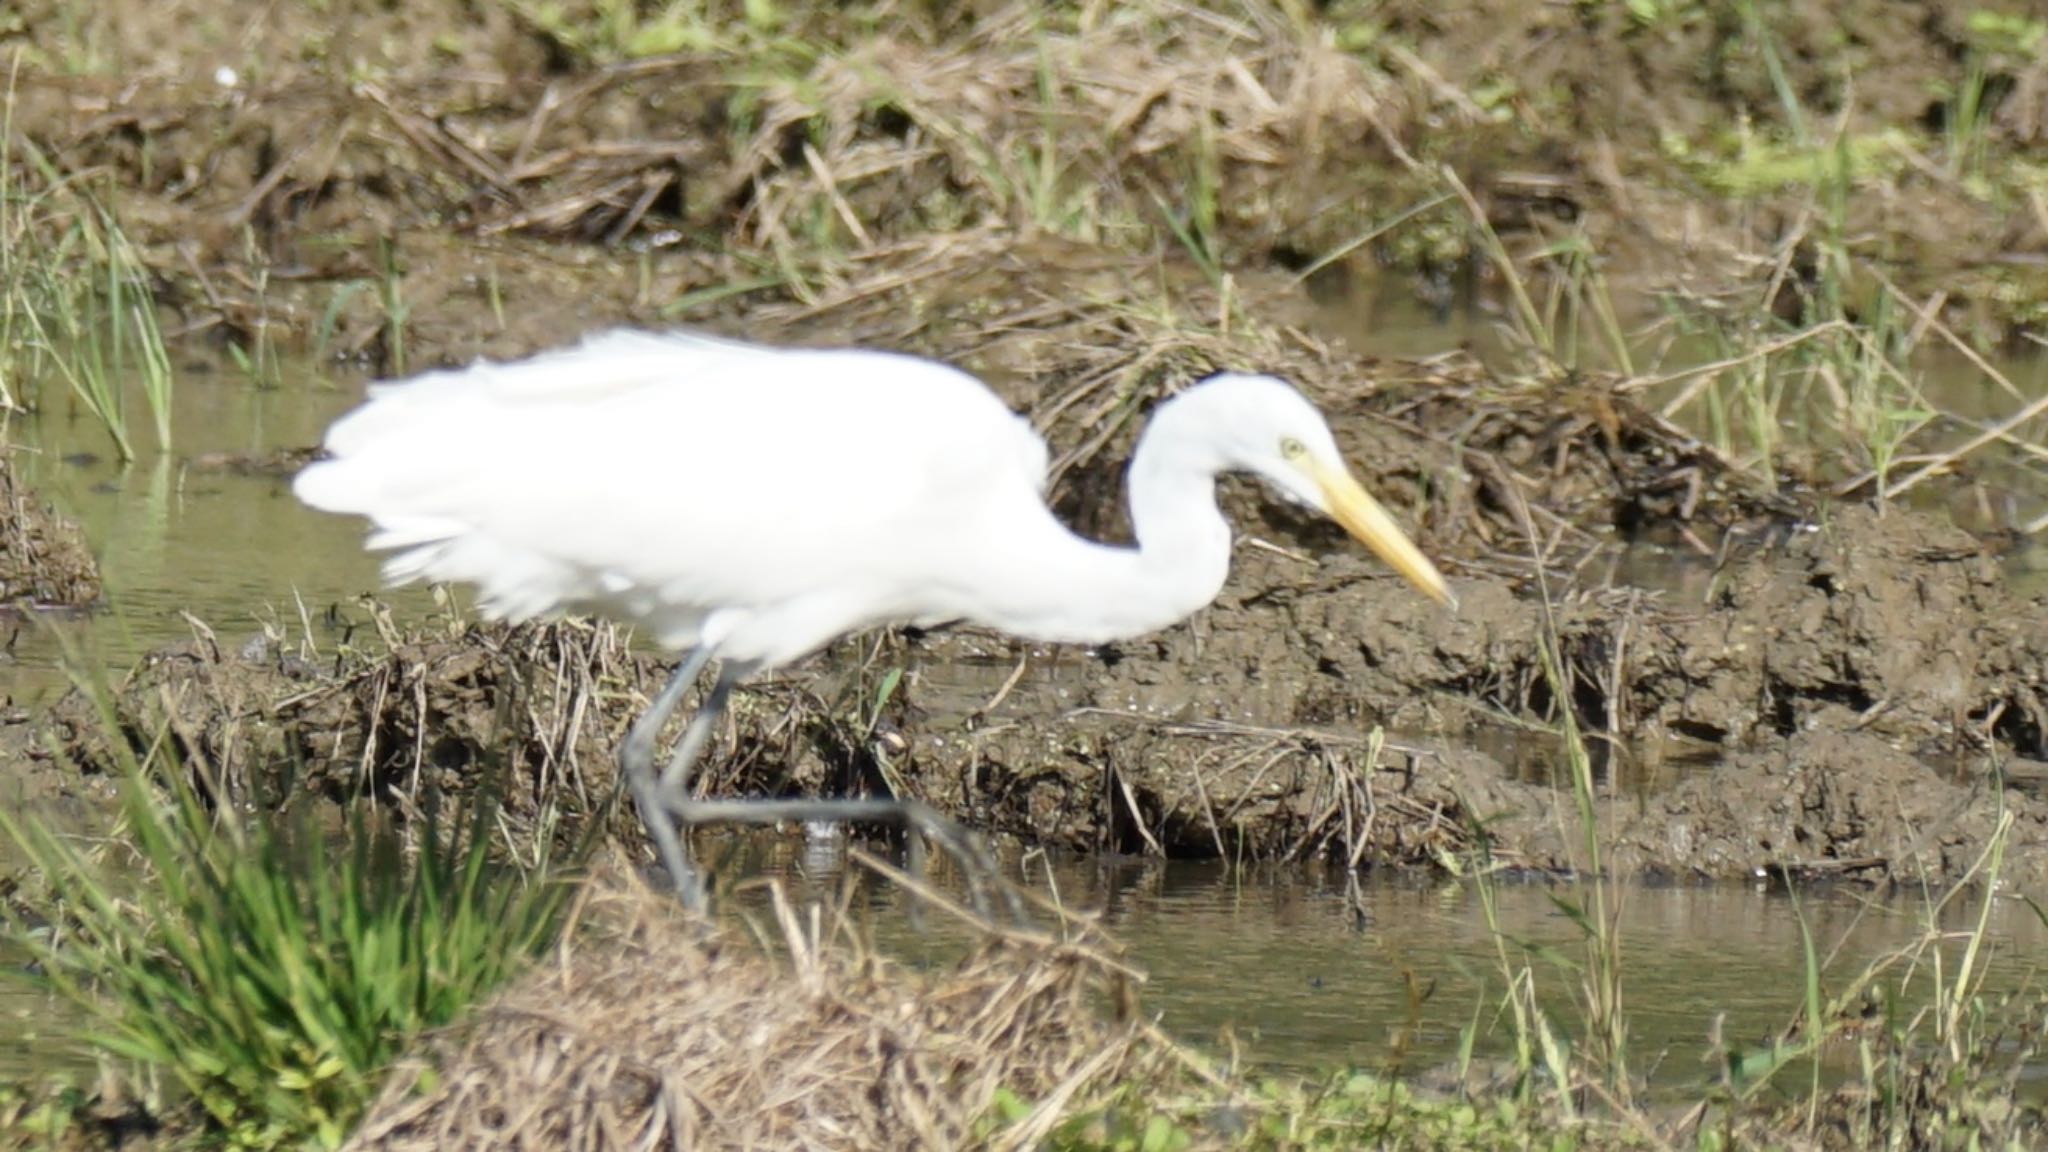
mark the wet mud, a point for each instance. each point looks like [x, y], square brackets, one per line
[274, 178]
[44, 559]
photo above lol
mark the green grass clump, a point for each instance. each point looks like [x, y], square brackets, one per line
[270, 976]
[76, 301]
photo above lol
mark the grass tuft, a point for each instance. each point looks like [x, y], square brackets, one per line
[271, 977]
[76, 301]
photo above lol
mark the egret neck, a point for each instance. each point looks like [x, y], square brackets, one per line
[1085, 592]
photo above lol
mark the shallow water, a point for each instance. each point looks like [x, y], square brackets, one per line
[1277, 958]
[1274, 956]
[1276, 961]
[233, 550]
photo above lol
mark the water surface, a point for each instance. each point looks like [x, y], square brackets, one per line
[1278, 958]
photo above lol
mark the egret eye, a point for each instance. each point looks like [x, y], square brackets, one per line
[1292, 449]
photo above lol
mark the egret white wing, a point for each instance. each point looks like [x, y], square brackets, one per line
[668, 478]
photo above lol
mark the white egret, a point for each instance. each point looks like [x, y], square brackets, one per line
[752, 503]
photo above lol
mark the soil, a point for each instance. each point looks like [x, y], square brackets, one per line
[397, 186]
[277, 163]
[44, 560]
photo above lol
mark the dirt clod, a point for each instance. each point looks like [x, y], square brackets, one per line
[44, 560]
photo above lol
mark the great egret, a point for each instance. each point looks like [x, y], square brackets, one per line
[753, 503]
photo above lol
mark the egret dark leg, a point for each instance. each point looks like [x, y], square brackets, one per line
[636, 764]
[676, 780]
[669, 809]
[917, 819]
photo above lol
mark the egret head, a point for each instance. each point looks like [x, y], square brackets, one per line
[1272, 431]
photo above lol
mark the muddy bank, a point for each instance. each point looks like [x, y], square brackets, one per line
[44, 560]
[1864, 682]
[1863, 688]
[281, 178]
[1837, 653]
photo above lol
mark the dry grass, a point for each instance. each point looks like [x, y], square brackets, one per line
[443, 707]
[656, 1031]
[1090, 126]
[1115, 128]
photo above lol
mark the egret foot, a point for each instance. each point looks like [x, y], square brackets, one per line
[668, 810]
[678, 812]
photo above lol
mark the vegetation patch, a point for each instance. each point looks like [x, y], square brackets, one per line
[269, 977]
